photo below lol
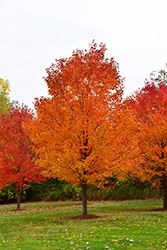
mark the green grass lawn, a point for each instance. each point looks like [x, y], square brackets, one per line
[46, 225]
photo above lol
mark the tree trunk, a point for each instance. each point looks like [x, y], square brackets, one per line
[84, 198]
[18, 198]
[164, 185]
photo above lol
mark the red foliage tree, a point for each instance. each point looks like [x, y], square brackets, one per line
[16, 155]
[148, 135]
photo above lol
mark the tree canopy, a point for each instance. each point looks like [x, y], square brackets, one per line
[76, 129]
[5, 100]
[148, 133]
[16, 155]
[5, 90]
[159, 76]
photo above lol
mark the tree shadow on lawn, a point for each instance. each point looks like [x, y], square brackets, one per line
[157, 210]
[136, 209]
[91, 216]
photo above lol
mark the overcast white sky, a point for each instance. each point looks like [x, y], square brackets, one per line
[35, 32]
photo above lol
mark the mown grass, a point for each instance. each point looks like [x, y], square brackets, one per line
[46, 225]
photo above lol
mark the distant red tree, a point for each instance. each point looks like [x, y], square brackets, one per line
[148, 135]
[16, 156]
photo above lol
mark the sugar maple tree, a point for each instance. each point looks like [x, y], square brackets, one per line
[75, 129]
[16, 156]
[149, 133]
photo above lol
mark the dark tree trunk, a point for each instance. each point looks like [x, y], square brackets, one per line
[18, 198]
[84, 198]
[164, 185]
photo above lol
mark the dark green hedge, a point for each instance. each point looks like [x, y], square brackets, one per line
[54, 190]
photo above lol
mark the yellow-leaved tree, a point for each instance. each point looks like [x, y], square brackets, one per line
[5, 90]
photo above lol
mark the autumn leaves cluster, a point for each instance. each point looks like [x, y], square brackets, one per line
[85, 131]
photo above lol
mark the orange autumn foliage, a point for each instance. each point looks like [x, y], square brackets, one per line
[76, 130]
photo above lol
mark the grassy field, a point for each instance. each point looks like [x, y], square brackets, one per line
[46, 225]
